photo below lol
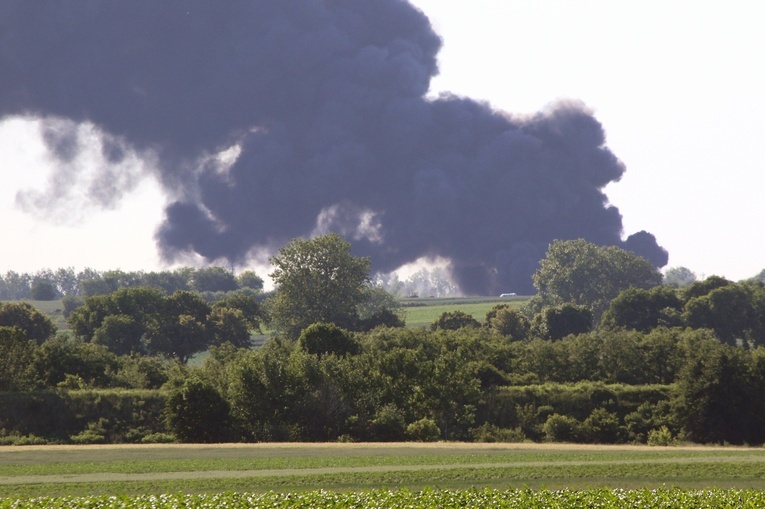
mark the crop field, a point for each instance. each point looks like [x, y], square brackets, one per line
[76, 471]
[426, 499]
[422, 312]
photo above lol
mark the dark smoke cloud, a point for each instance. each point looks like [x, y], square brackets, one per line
[325, 103]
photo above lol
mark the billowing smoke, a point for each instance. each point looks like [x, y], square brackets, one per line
[320, 107]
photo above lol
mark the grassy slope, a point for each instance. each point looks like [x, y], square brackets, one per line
[423, 312]
[73, 470]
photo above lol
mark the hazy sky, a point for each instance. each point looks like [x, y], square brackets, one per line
[678, 87]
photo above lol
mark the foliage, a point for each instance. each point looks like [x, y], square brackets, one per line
[35, 325]
[578, 272]
[121, 334]
[718, 394]
[214, 279]
[561, 428]
[557, 322]
[474, 498]
[454, 320]
[59, 357]
[197, 413]
[143, 320]
[248, 279]
[43, 290]
[423, 430]
[327, 338]
[643, 310]
[318, 280]
[16, 355]
[736, 312]
[507, 321]
[679, 277]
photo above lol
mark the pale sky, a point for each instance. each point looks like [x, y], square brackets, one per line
[677, 85]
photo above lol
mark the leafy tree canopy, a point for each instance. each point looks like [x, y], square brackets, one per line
[643, 310]
[578, 272]
[679, 277]
[318, 280]
[454, 320]
[35, 325]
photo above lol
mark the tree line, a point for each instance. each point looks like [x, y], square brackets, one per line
[341, 366]
[50, 284]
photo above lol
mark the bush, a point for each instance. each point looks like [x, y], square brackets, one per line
[388, 424]
[424, 430]
[327, 338]
[88, 436]
[561, 428]
[197, 413]
[662, 436]
[159, 438]
[602, 427]
[454, 320]
[491, 433]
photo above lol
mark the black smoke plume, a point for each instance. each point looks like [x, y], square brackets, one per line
[323, 102]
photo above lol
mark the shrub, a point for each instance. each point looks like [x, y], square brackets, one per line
[491, 433]
[327, 338]
[662, 436]
[159, 438]
[561, 428]
[197, 413]
[602, 427]
[424, 430]
[388, 424]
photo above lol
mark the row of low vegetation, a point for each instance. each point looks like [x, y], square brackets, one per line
[656, 364]
[403, 384]
[664, 498]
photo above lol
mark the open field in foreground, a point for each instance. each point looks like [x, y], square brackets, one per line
[485, 498]
[170, 468]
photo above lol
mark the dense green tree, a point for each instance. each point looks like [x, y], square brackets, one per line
[643, 310]
[214, 279]
[557, 322]
[578, 272]
[16, 356]
[454, 320]
[197, 413]
[15, 286]
[141, 304]
[252, 312]
[229, 325]
[327, 338]
[121, 334]
[317, 280]
[736, 312]
[702, 288]
[716, 400]
[35, 325]
[60, 357]
[249, 279]
[179, 337]
[508, 322]
[44, 290]
[170, 281]
[679, 277]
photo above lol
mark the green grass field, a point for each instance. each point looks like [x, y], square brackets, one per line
[172, 468]
[423, 312]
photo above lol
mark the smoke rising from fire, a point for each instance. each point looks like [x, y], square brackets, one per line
[320, 109]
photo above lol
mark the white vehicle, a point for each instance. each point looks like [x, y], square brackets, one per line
[507, 295]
